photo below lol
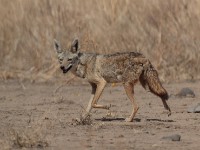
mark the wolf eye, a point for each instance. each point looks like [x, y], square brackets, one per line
[60, 59]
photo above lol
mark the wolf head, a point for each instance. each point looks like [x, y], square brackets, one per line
[69, 58]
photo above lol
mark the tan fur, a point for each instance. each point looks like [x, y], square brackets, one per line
[127, 68]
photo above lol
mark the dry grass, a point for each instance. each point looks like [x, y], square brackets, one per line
[87, 120]
[29, 138]
[36, 134]
[167, 32]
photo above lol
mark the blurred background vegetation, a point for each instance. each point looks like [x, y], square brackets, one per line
[165, 31]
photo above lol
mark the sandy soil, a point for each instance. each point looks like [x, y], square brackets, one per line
[35, 115]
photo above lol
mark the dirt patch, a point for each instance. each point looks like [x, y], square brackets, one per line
[33, 115]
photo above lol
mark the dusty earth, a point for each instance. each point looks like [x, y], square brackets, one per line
[39, 116]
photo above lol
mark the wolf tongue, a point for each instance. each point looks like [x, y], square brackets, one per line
[65, 70]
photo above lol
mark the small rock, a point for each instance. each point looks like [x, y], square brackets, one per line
[121, 136]
[186, 92]
[155, 145]
[174, 137]
[3, 98]
[194, 108]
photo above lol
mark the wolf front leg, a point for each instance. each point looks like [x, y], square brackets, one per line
[97, 89]
[100, 87]
[89, 107]
[129, 88]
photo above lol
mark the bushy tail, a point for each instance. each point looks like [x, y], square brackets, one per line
[149, 79]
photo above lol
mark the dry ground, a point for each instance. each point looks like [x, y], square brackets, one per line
[33, 115]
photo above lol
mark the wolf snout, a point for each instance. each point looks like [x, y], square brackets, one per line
[62, 67]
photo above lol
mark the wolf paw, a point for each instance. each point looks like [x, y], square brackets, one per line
[85, 115]
[129, 119]
[169, 113]
[108, 107]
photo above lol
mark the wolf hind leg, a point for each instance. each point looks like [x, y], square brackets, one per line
[129, 88]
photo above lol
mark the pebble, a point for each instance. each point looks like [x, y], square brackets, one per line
[186, 92]
[194, 108]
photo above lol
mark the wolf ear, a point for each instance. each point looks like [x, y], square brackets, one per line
[74, 46]
[57, 46]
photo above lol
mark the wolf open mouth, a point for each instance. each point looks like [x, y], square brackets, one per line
[65, 70]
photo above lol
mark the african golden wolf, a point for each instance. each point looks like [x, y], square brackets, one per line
[127, 68]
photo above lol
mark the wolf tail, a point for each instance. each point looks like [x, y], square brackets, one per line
[149, 79]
